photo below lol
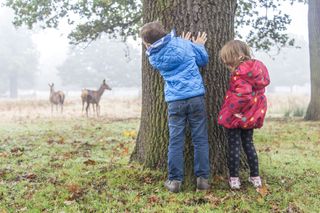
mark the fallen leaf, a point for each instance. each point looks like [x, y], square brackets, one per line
[17, 149]
[50, 141]
[218, 178]
[4, 154]
[69, 202]
[153, 199]
[75, 191]
[225, 198]
[68, 155]
[147, 180]
[263, 191]
[53, 180]
[125, 151]
[61, 140]
[260, 200]
[87, 154]
[275, 208]
[172, 199]
[30, 176]
[23, 209]
[3, 211]
[89, 162]
[195, 201]
[130, 134]
[56, 165]
[3, 172]
[293, 208]
[268, 149]
[137, 198]
[212, 199]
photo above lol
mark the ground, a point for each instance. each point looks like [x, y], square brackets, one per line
[73, 164]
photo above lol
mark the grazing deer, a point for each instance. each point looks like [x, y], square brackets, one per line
[56, 98]
[93, 97]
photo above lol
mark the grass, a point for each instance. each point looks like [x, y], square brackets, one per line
[79, 165]
[287, 105]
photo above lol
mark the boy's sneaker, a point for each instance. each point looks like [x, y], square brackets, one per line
[173, 185]
[202, 183]
[234, 182]
[256, 181]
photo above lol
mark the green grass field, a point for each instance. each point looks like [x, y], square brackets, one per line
[80, 165]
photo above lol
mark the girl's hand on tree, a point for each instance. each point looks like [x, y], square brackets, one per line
[201, 38]
[186, 36]
[238, 115]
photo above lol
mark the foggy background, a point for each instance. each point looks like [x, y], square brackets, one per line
[29, 60]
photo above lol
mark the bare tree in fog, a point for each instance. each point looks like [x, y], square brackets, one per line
[118, 63]
[18, 58]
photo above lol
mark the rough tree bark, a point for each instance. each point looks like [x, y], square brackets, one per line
[313, 112]
[217, 19]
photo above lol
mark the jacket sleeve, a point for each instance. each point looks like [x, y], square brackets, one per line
[202, 57]
[240, 95]
[153, 63]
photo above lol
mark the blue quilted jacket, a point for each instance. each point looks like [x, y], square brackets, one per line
[178, 61]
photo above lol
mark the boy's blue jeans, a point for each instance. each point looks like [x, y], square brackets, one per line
[193, 112]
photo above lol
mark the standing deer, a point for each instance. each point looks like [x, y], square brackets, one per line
[56, 98]
[93, 97]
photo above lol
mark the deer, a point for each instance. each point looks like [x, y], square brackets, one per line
[56, 98]
[93, 97]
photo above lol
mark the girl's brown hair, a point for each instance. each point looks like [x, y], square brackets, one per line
[234, 52]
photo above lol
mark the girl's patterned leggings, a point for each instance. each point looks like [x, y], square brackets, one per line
[236, 137]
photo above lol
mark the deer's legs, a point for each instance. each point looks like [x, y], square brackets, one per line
[82, 106]
[87, 108]
[98, 110]
[61, 107]
[94, 108]
[51, 109]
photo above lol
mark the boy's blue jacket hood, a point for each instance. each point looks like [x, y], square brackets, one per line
[178, 61]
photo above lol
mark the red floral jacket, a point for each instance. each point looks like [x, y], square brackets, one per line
[245, 96]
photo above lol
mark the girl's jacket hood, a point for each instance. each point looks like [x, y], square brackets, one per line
[255, 73]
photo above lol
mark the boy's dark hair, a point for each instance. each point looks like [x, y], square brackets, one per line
[152, 32]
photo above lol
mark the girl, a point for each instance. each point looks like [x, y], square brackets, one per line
[244, 107]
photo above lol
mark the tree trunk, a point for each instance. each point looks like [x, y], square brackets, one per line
[13, 82]
[217, 19]
[313, 112]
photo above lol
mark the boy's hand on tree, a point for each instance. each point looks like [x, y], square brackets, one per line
[201, 38]
[186, 36]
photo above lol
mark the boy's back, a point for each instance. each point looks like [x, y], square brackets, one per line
[178, 61]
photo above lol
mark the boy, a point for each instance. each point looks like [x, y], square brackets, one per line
[178, 61]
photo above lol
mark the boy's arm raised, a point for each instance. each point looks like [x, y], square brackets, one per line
[202, 57]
